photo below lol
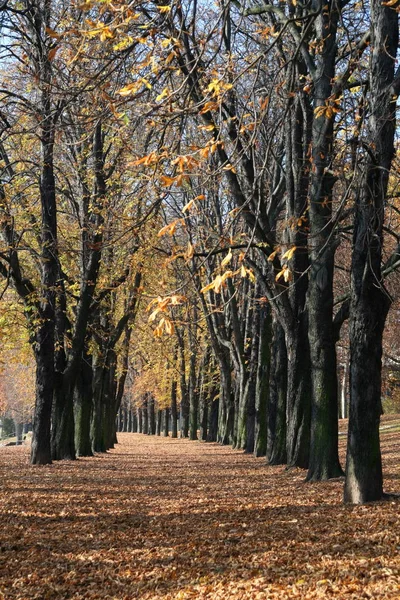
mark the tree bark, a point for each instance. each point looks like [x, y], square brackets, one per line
[276, 437]
[174, 410]
[298, 405]
[261, 366]
[83, 408]
[370, 302]
[324, 459]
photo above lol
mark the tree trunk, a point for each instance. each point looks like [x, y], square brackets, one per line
[369, 301]
[83, 408]
[204, 398]
[166, 422]
[63, 430]
[324, 459]
[145, 417]
[97, 432]
[184, 406]
[193, 399]
[158, 422]
[298, 405]
[261, 366]
[174, 410]
[276, 438]
[226, 405]
[45, 336]
[134, 421]
[343, 391]
[41, 437]
[152, 416]
[212, 426]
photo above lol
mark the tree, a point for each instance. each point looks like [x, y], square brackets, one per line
[369, 301]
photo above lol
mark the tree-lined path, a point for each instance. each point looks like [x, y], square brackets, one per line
[163, 518]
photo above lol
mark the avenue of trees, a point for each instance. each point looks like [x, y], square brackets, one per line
[199, 218]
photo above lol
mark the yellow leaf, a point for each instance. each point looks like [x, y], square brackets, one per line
[285, 273]
[188, 206]
[165, 180]
[189, 252]
[207, 127]
[204, 152]
[159, 330]
[147, 160]
[227, 275]
[153, 315]
[169, 327]
[106, 33]
[243, 271]
[175, 299]
[164, 9]
[281, 273]
[271, 257]
[251, 275]
[129, 89]
[289, 253]
[227, 259]
[288, 275]
[218, 281]
[207, 288]
[123, 44]
[146, 83]
[211, 105]
[163, 303]
[163, 94]
[170, 228]
[214, 86]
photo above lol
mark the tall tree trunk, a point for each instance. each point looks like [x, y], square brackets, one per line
[297, 145]
[276, 438]
[158, 421]
[212, 425]
[226, 403]
[152, 415]
[193, 399]
[324, 458]
[41, 439]
[184, 408]
[45, 337]
[369, 303]
[204, 394]
[145, 417]
[298, 405]
[97, 431]
[261, 366]
[134, 421]
[174, 410]
[166, 421]
[83, 408]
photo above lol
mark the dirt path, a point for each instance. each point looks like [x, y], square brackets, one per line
[161, 518]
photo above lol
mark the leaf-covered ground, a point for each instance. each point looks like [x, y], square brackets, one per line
[160, 518]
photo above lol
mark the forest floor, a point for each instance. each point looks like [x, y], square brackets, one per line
[158, 518]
